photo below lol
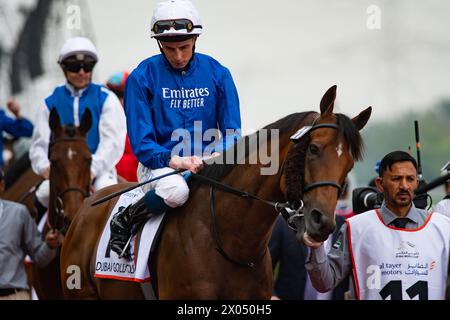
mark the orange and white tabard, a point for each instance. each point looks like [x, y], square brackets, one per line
[399, 264]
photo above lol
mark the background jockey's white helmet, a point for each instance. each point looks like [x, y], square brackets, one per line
[78, 46]
[171, 15]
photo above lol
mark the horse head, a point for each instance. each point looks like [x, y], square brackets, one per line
[70, 161]
[317, 164]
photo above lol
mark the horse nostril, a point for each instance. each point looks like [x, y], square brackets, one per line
[319, 219]
[316, 216]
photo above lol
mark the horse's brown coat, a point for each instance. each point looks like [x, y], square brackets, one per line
[188, 264]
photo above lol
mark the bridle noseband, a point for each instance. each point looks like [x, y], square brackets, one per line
[59, 204]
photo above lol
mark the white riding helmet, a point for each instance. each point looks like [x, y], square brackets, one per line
[175, 18]
[78, 46]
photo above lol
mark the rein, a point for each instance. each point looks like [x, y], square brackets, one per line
[59, 204]
[219, 246]
[284, 208]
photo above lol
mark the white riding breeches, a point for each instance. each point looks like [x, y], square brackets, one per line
[172, 189]
[101, 181]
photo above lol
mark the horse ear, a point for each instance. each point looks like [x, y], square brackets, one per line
[54, 121]
[327, 102]
[86, 122]
[361, 119]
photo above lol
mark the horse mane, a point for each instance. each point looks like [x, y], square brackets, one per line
[352, 135]
[295, 161]
[346, 128]
[285, 125]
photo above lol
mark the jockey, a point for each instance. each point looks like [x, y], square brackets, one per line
[167, 98]
[127, 166]
[106, 137]
[116, 83]
[18, 127]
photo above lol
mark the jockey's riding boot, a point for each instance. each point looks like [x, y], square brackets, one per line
[126, 222]
[120, 226]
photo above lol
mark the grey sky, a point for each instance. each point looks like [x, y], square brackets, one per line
[284, 54]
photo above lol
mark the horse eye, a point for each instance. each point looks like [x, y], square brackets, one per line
[313, 149]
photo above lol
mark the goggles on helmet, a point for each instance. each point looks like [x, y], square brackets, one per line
[178, 24]
[77, 65]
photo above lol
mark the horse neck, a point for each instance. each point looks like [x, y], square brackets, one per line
[250, 221]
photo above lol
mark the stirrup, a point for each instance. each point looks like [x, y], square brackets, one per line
[120, 247]
[125, 252]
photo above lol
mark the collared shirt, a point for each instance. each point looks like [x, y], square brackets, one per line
[19, 236]
[327, 271]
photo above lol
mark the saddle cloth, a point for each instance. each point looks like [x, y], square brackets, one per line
[109, 265]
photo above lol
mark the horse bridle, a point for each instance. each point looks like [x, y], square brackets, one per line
[59, 204]
[285, 208]
[318, 184]
[290, 213]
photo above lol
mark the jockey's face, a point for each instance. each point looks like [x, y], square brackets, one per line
[178, 53]
[398, 184]
[81, 78]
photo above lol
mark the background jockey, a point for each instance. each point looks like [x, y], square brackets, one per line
[127, 165]
[175, 93]
[106, 138]
[18, 127]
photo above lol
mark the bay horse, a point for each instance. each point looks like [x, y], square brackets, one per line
[70, 161]
[216, 245]
[25, 182]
